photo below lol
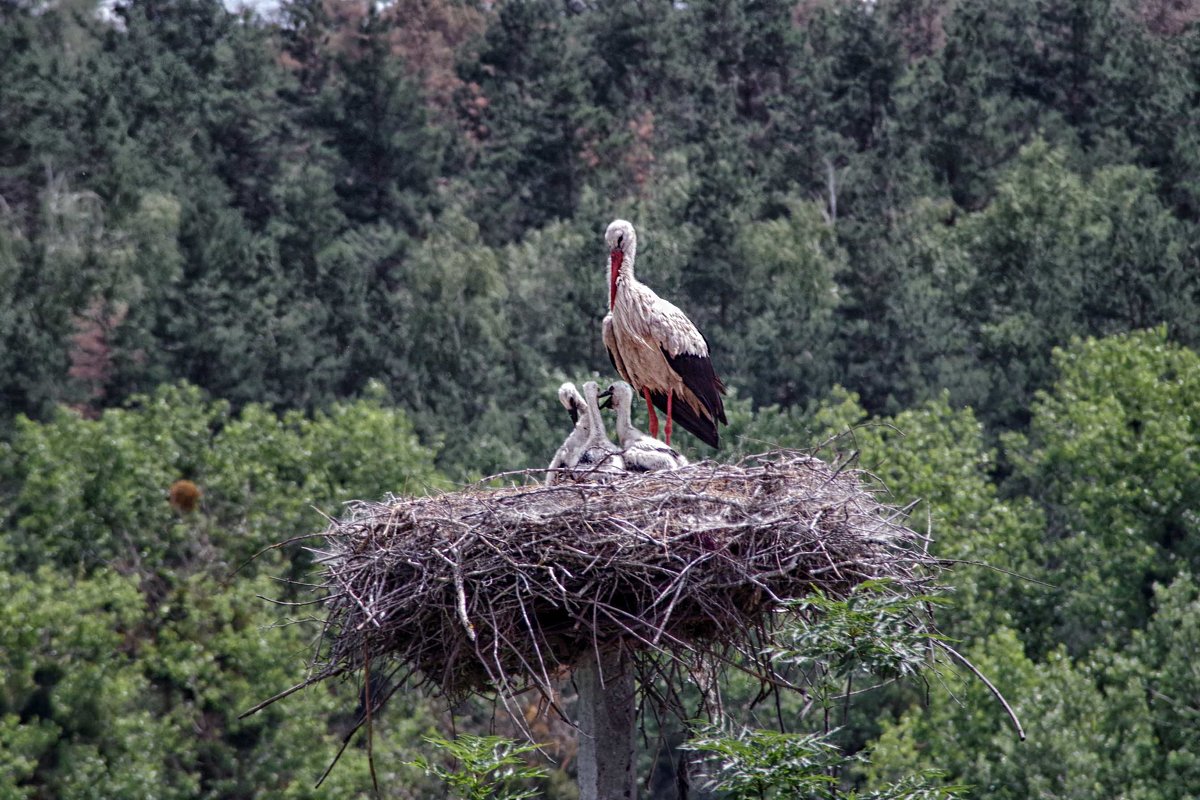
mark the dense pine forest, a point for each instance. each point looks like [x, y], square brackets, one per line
[342, 249]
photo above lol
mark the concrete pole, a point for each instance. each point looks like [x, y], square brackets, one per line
[607, 723]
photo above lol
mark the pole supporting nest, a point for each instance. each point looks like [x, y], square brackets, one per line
[607, 720]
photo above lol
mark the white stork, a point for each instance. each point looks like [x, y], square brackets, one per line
[656, 348]
[568, 453]
[597, 453]
[641, 452]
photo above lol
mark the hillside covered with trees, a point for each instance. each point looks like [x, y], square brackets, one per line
[352, 249]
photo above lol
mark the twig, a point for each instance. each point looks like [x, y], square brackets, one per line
[370, 725]
[301, 685]
[967, 663]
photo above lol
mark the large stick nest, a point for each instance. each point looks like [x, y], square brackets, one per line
[497, 589]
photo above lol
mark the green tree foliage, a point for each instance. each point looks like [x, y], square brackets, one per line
[764, 764]
[1163, 665]
[274, 186]
[938, 458]
[872, 630]
[874, 634]
[908, 336]
[792, 264]
[1095, 672]
[537, 108]
[1010, 70]
[1112, 458]
[485, 767]
[1056, 256]
[135, 633]
[35, 321]
[1087, 737]
[84, 493]
[375, 116]
[62, 644]
[113, 691]
[196, 88]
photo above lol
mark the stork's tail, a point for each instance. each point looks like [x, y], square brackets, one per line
[702, 427]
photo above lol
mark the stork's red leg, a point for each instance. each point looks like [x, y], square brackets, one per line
[670, 395]
[650, 412]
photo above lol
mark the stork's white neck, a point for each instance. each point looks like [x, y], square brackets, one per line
[630, 250]
[591, 403]
[626, 433]
[582, 430]
[622, 243]
[622, 272]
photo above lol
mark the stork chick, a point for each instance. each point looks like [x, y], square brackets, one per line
[568, 453]
[642, 453]
[598, 452]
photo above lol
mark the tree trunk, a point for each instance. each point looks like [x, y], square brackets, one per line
[606, 717]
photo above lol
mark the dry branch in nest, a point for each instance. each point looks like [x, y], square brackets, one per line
[490, 589]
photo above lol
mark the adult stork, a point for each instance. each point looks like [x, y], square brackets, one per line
[656, 348]
[641, 452]
[568, 453]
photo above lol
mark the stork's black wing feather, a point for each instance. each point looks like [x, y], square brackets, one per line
[686, 417]
[699, 376]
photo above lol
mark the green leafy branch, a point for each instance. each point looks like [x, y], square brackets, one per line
[760, 765]
[487, 767]
[874, 628]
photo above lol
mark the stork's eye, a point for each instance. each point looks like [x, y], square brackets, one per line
[620, 240]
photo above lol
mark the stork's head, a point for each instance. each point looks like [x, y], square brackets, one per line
[591, 394]
[620, 235]
[571, 400]
[620, 396]
[622, 245]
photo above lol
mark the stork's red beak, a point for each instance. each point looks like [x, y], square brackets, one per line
[617, 257]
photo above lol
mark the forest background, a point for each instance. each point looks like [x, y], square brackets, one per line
[349, 250]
